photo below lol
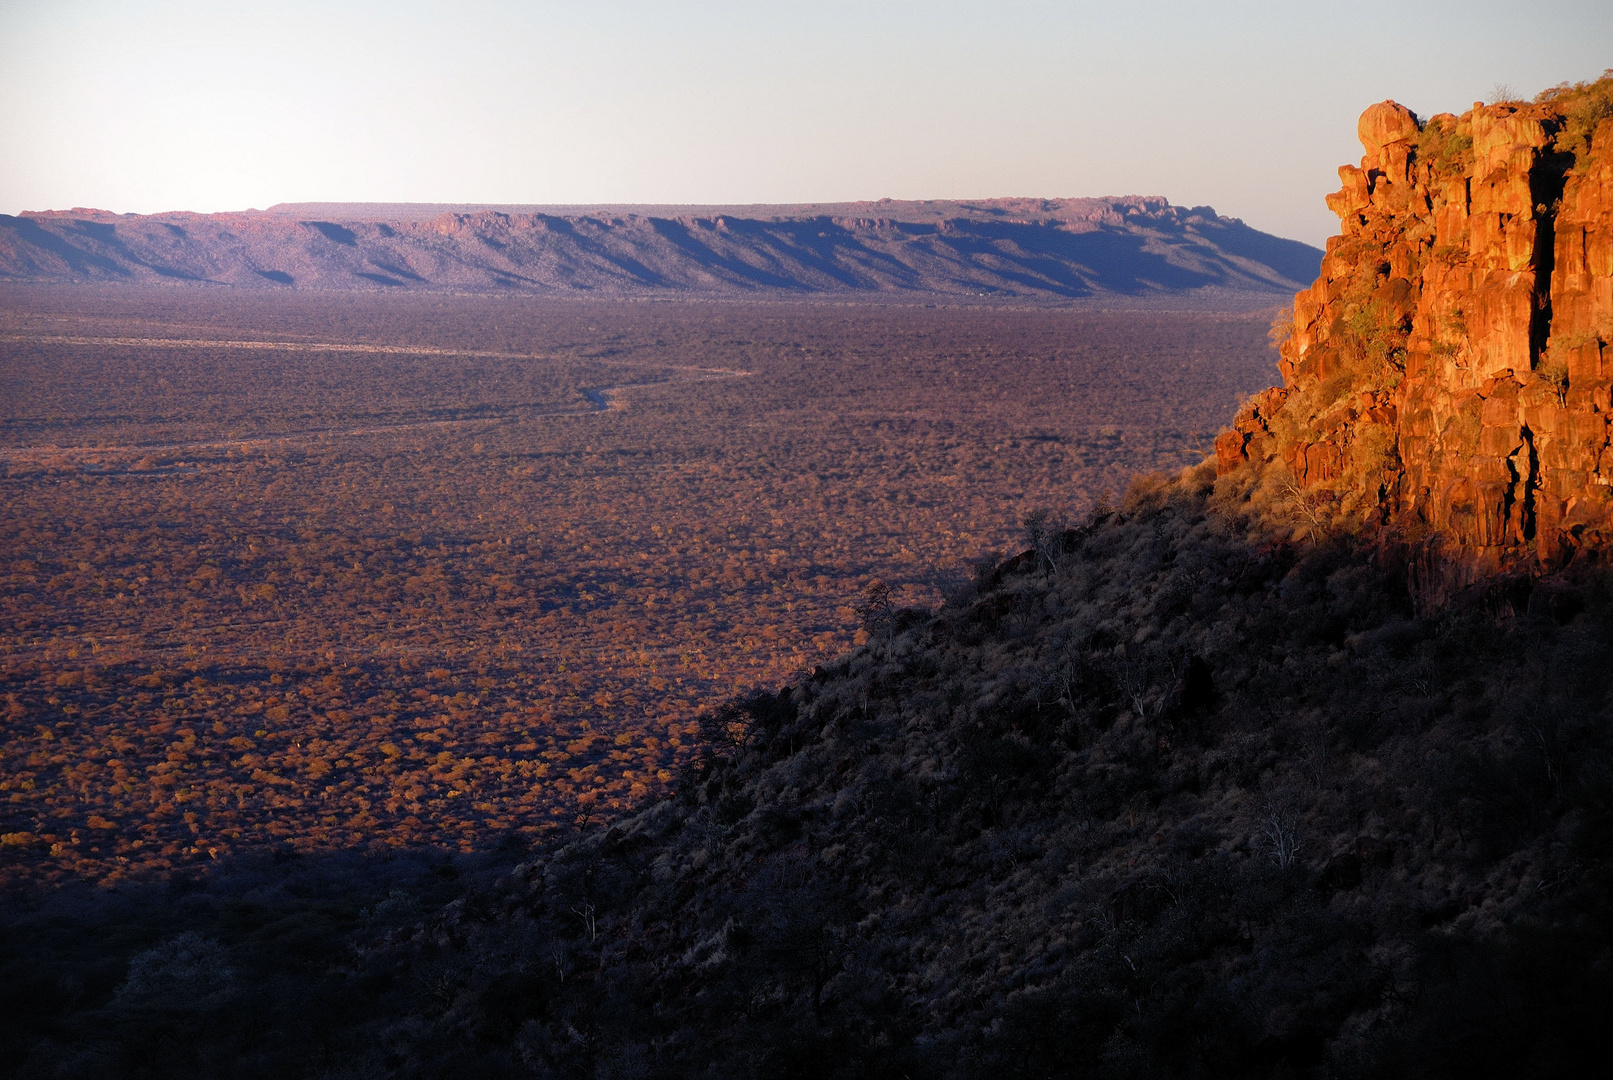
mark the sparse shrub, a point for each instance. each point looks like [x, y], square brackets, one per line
[1554, 373]
[1448, 150]
[399, 906]
[1280, 832]
[877, 607]
[1282, 327]
[1374, 341]
[1585, 105]
[1308, 508]
[187, 970]
[1373, 452]
[1045, 533]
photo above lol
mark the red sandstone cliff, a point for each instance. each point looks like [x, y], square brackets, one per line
[1449, 376]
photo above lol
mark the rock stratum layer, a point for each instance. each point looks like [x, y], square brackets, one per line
[1030, 248]
[1448, 378]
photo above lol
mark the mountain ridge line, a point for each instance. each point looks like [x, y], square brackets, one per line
[1133, 248]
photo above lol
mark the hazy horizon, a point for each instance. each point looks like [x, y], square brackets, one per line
[141, 106]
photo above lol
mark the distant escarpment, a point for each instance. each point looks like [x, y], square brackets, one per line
[1449, 377]
[1008, 248]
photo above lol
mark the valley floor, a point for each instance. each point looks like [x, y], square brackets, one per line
[331, 571]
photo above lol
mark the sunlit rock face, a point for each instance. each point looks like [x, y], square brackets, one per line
[1449, 377]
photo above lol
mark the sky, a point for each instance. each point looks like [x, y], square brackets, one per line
[1246, 106]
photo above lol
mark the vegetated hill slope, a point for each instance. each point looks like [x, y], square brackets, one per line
[1130, 247]
[1161, 797]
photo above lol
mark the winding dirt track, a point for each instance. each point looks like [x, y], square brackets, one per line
[601, 399]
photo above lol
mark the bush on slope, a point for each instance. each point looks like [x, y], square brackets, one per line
[1165, 800]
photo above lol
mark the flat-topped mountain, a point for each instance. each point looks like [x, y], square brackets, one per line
[1048, 249]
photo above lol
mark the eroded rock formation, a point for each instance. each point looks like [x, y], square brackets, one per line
[1449, 376]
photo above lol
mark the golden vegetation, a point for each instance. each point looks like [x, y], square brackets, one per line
[414, 588]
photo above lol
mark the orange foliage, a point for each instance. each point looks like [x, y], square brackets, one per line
[422, 591]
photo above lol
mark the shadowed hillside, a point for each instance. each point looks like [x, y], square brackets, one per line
[1157, 798]
[1137, 248]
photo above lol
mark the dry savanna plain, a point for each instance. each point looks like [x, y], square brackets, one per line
[349, 571]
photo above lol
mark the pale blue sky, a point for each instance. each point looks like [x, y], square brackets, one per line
[1247, 106]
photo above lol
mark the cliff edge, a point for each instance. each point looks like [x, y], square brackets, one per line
[1129, 248]
[1448, 379]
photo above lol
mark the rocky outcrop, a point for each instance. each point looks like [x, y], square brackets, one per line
[1132, 247]
[1449, 376]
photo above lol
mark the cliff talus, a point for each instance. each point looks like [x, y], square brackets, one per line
[1449, 375]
